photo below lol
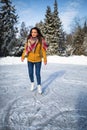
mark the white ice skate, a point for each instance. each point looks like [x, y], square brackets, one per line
[39, 89]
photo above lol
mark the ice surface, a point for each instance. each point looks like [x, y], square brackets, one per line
[62, 105]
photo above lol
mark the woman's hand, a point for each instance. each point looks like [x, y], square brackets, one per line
[22, 59]
[45, 62]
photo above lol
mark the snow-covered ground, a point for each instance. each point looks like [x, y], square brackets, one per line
[79, 60]
[63, 104]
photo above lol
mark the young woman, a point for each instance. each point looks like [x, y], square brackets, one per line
[35, 49]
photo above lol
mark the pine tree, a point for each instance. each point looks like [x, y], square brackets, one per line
[78, 41]
[23, 32]
[48, 30]
[59, 35]
[8, 20]
[69, 44]
[22, 39]
[85, 45]
[53, 30]
[56, 22]
[41, 27]
[85, 27]
[48, 23]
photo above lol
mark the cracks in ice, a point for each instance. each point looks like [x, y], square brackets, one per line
[58, 108]
[31, 113]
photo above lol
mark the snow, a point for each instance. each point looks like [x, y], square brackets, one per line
[79, 60]
[62, 105]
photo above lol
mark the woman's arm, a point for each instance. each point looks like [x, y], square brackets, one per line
[44, 55]
[23, 54]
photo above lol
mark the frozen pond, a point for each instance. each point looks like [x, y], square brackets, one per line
[62, 106]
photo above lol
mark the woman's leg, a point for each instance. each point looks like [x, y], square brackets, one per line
[31, 71]
[37, 71]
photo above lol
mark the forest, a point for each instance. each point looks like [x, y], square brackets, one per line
[12, 39]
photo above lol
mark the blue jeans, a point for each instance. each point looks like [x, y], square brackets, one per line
[37, 71]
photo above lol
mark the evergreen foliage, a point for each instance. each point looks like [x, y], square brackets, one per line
[23, 32]
[21, 40]
[8, 20]
[52, 29]
[76, 42]
[60, 43]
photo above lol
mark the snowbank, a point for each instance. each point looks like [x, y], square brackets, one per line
[79, 60]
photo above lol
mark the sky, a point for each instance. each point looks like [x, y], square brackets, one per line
[33, 11]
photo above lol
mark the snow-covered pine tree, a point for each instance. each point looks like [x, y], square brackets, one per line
[8, 19]
[84, 46]
[48, 29]
[23, 32]
[53, 30]
[78, 40]
[22, 38]
[69, 44]
[59, 35]
[56, 25]
[61, 43]
[85, 27]
[40, 25]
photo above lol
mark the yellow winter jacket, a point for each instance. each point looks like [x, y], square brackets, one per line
[37, 55]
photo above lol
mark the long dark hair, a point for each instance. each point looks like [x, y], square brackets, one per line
[40, 36]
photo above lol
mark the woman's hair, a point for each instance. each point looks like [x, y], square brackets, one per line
[38, 31]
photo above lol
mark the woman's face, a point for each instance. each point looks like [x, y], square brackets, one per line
[34, 33]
